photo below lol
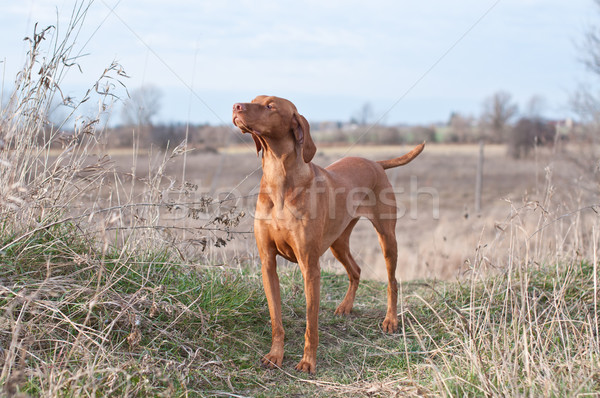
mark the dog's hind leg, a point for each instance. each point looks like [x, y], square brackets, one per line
[341, 251]
[386, 229]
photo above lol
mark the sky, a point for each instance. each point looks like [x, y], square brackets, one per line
[413, 62]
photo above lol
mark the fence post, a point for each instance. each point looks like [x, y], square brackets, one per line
[479, 179]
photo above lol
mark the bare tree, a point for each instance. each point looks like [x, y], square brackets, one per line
[142, 106]
[586, 103]
[527, 134]
[461, 127]
[590, 48]
[364, 115]
[498, 111]
[535, 107]
[530, 130]
[586, 100]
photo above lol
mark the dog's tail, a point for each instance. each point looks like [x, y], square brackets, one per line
[402, 160]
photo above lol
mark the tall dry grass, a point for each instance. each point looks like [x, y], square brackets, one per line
[524, 322]
[85, 253]
[54, 173]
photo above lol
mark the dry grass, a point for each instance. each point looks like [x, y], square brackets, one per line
[438, 229]
[117, 279]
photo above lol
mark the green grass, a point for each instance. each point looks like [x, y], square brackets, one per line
[77, 322]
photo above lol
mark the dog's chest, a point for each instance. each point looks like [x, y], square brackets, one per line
[285, 225]
[284, 238]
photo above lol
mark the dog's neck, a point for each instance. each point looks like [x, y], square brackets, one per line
[284, 167]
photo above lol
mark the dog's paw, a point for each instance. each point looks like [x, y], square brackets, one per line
[390, 324]
[306, 366]
[343, 309]
[272, 360]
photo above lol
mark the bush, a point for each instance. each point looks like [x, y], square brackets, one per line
[527, 134]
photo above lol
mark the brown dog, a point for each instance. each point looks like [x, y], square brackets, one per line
[303, 209]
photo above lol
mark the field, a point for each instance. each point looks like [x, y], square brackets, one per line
[134, 273]
[139, 285]
[438, 229]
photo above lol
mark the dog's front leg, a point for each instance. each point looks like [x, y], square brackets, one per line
[272, 291]
[312, 289]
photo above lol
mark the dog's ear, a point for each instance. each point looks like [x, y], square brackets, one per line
[303, 138]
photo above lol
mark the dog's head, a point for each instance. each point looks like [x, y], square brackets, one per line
[273, 120]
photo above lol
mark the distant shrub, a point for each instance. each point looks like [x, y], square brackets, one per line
[390, 136]
[528, 133]
[421, 133]
[171, 135]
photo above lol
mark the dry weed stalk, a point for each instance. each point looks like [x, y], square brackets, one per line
[83, 253]
[36, 186]
[531, 327]
[48, 174]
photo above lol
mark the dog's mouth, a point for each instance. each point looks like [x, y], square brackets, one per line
[245, 129]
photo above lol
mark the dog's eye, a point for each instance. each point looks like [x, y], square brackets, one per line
[270, 106]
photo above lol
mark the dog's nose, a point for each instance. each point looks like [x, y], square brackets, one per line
[239, 107]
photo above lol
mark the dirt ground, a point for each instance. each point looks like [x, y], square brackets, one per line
[438, 229]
